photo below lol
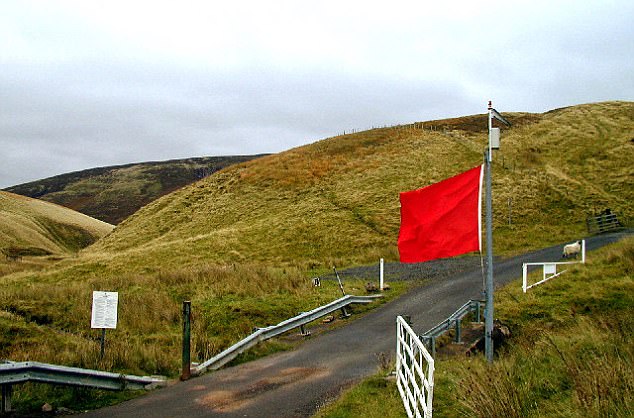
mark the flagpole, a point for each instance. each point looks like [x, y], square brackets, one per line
[488, 312]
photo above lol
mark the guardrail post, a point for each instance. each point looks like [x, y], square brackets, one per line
[458, 330]
[303, 331]
[186, 363]
[7, 392]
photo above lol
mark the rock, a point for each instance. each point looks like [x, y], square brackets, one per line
[499, 334]
[328, 318]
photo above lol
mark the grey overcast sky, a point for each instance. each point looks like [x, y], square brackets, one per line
[94, 83]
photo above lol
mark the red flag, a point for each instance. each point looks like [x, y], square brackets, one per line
[441, 220]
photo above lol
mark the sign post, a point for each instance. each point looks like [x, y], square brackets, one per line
[104, 313]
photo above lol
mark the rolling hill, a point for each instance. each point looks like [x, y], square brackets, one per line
[113, 193]
[33, 227]
[336, 201]
[242, 242]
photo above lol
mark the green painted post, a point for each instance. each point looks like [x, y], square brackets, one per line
[186, 365]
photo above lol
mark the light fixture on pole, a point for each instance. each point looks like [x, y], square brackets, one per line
[494, 143]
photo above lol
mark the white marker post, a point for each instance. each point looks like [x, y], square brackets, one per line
[381, 275]
[104, 313]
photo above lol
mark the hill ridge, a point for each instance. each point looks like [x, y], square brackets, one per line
[112, 193]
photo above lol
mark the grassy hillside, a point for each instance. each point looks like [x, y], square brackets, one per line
[336, 201]
[114, 193]
[242, 243]
[30, 227]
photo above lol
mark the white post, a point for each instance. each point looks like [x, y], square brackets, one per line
[583, 251]
[381, 275]
[524, 276]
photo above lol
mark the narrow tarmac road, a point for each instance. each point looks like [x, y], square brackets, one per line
[296, 383]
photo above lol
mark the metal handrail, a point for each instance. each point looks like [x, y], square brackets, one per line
[443, 326]
[12, 373]
[263, 334]
[454, 320]
[33, 371]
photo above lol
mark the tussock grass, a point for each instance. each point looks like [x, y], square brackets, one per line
[228, 302]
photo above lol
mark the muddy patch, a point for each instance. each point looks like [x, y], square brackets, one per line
[230, 400]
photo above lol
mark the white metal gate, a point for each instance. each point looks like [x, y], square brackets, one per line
[549, 269]
[414, 371]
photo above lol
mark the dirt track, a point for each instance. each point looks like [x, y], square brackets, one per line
[298, 382]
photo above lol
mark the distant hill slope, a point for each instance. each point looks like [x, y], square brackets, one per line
[114, 193]
[242, 242]
[337, 200]
[33, 227]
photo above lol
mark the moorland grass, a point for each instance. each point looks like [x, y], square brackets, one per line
[228, 303]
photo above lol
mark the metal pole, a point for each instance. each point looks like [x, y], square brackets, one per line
[186, 363]
[103, 342]
[488, 311]
[339, 280]
[510, 209]
[344, 312]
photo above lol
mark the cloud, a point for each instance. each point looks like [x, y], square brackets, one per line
[90, 84]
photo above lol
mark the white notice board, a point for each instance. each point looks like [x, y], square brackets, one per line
[104, 309]
[549, 270]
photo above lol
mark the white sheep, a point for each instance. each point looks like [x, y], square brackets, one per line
[572, 250]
